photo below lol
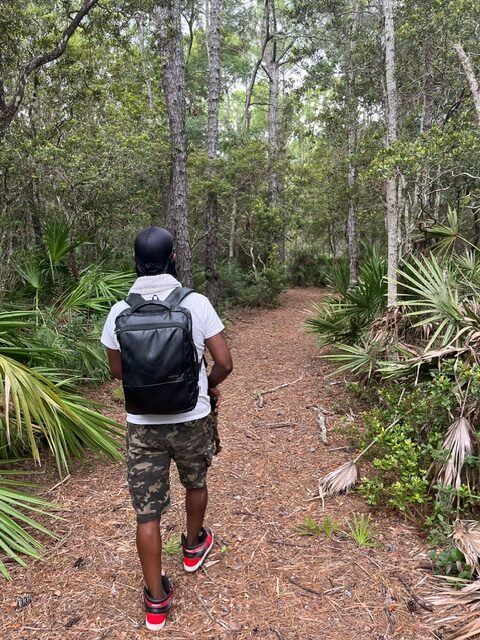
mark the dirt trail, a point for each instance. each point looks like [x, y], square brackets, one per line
[262, 580]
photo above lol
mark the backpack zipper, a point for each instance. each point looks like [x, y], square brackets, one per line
[141, 327]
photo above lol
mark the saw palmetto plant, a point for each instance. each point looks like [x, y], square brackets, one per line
[20, 515]
[44, 352]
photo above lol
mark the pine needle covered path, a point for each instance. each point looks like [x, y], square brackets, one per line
[262, 580]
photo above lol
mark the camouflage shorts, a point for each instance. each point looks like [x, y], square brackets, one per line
[150, 448]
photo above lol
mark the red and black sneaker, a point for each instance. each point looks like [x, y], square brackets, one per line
[194, 557]
[156, 611]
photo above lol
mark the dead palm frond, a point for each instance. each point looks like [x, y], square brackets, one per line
[467, 593]
[339, 480]
[470, 630]
[466, 537]
[458, 442]
[348, 474]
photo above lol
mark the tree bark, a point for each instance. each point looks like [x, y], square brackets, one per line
[272, 67]
[392, 136]
[469, 72]
[9, 108]
[168, 19]
[148, 84]
[352, 115]
[211, 217]
[233, 228]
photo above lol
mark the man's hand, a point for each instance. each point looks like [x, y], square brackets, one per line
[215, 394]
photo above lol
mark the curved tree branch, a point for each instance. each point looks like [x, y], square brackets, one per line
[10, 108]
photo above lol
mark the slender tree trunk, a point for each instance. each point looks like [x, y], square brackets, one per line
[251, 84]
[211, 218]
[8, 108]
[392, 136]
[148, 84]
[272, 66]
[168, 18]
[469, 72]
[352, 115]
[233, 228]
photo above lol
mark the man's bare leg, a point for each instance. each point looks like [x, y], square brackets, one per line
[149, 546]
[195, 506]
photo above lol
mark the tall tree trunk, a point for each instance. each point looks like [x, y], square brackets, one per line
[469, 72]
[392, 136]
[168, 18]
[148, 84]
[233, 228]
[251, 84]
[8, 108]
[272, 66]
[352, 115]
[211, 217]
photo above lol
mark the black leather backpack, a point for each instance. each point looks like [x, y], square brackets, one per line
[160, 365]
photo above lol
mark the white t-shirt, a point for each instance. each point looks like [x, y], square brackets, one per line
[205, 324]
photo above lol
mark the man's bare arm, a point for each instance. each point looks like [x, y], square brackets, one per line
[115, 362]
[222, 359]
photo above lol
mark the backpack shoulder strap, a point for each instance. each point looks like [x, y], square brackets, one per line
[133, 299]
[136, 302]
[177, 295]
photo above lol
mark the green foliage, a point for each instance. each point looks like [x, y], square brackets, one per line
[172, 546]
[409, 428]
[343, 318]
[330, 527]
[18, 511]
[361, 529]
[451, 562]
[309, 267]
[308, 528]
[252, 289]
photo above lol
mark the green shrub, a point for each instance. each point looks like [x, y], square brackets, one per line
[308, 267]
[409, 429]
[250, 289]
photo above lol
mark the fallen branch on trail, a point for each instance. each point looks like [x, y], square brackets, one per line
[273, 425]
[304, 588]
[322, 423]
[260, 394]
[421, 603]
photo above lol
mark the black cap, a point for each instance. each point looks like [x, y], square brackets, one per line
[154, 252]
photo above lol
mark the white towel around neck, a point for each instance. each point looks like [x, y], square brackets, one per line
[146, 285]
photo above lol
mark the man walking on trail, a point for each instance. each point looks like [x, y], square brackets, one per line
[155, 341]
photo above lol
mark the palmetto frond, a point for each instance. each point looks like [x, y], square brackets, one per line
[458, 442]
[96, 290]
[17, 511]
[467, 593]
[430, 293]
[466, 537]
[33, 407]
[56, 235]
[341, 479]
[360, 359]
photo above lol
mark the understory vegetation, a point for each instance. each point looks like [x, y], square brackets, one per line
[418, 370]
